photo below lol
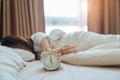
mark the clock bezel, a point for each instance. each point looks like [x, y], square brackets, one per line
[44, 54]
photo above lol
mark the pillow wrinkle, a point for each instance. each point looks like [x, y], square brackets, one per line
[25, 55]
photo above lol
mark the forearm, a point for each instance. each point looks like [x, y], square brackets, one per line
[64, 50]
[45, 44]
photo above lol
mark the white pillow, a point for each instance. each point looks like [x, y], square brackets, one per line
[26, 55]
[9, 58]
[99, 57]
[10, 63]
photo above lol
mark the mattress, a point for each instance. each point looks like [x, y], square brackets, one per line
[35, 71]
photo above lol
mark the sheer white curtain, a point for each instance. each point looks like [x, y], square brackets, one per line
[82, 5]
[67, 15]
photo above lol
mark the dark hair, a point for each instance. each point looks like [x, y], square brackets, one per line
[19, 42]
[16, 41]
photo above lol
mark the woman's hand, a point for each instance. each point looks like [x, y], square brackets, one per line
[67, 49]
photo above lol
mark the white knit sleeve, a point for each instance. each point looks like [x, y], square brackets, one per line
[37, 37]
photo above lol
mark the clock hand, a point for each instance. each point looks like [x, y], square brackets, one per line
[51, 60]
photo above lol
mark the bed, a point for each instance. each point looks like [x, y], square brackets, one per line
[101, 62]
[13, 67]
[34, 71]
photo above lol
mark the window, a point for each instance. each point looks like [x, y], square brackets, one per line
[67, 15]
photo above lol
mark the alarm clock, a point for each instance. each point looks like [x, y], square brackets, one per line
[50, 60]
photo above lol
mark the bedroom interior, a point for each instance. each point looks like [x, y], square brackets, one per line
[99, 47]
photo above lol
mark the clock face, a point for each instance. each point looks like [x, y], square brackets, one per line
[50, 60]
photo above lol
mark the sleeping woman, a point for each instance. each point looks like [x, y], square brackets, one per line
[36, 43]
[64, 43]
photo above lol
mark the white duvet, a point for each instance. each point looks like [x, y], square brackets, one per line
[84, 40]
[93, 49]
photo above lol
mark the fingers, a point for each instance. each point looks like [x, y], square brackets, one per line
[73, 50]
[68, 49]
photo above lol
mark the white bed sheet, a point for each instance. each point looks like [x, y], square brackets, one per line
[35, 71]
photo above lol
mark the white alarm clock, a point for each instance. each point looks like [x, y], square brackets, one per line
[50, 60]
